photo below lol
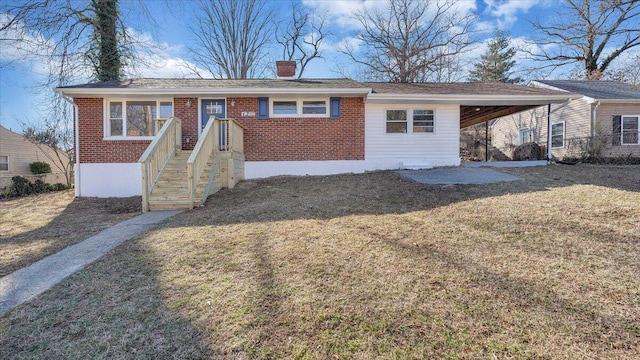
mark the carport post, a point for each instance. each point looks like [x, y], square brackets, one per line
[549, 132]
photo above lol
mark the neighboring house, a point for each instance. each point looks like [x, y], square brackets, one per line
[279, 127]
[16, 153]
[603, 120]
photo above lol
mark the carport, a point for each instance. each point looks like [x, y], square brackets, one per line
[479, 102]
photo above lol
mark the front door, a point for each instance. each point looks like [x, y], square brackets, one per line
[211, 107]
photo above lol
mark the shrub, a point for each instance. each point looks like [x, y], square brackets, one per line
[57, 187]
[528, 151]
[40, 167]
[20, 187]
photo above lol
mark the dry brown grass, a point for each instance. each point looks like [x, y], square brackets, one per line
[364, 266]
[36, 226]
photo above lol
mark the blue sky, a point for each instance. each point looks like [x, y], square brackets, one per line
[22, 100]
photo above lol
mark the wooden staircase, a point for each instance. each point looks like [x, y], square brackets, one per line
[173, 178]
[171, 191]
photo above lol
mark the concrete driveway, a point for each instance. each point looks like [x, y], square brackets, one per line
[457, 175]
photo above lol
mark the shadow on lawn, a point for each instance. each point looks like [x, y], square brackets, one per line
[115, 308]
[81, 219]
[377, 193]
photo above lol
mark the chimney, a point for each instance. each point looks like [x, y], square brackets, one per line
[286, 69]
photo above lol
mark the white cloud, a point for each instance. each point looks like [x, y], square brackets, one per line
[507, 11]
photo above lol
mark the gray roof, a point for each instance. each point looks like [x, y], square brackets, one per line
[596, 89]
[149, 83]
[462, 88]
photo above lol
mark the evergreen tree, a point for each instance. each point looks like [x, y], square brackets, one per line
[496, 63]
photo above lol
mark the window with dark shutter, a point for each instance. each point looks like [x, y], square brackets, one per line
[263, 108]
[617, 127]
[335, 108]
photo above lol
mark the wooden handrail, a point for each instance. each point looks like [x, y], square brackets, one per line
[207, 145]
[157, 155]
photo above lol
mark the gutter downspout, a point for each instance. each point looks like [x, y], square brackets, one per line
[76, 147]
[593, 119]
[549, 155]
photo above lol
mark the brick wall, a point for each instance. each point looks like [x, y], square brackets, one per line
[189, 117]
[296, 139]
[91, 131]
[275, 139]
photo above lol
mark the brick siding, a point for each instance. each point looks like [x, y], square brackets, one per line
[296, 139]
[274, 139]
[91, 131]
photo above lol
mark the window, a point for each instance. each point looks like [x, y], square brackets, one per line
[396, 121]
[630, 130]
[285, 108]
[417, 121]
[526, 136]
[314, 107]
[299, 108]
[423, 121]
[4, 163]
[135, 118]
[557, 135]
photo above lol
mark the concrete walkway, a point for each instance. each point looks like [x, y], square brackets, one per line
[33, 280]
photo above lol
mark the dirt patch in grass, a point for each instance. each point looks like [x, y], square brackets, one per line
[364, 266]
[36, 226]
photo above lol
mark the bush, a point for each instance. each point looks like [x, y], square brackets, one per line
[57, 187]
[40, 167]
[528, 151]
[22, 187]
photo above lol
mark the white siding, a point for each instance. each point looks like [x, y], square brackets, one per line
[420, 150]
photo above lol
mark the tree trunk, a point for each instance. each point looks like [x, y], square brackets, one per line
[106, 29]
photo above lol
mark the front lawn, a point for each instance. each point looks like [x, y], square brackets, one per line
[360, 267]
[36, 226]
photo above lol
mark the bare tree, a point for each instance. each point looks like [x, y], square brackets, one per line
[57, 135]
[410, 39]
[301, 37]
[591, 32]
[628, 72]
[231, 36]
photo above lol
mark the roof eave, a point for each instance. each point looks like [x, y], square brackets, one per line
[94, 92]
[472, 100]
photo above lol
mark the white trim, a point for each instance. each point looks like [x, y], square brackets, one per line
[531, 135]
[8, 163]
[263, 169]
[564, 132]
[410, 120]
[124, 137]
[299, 100]
[208, 92]
[468, 100]
[622, 143]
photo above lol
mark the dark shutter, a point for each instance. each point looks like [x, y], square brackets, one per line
[263, 108]
[617, 129]
[334, 110]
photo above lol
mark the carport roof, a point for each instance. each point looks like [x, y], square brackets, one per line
[479, 102]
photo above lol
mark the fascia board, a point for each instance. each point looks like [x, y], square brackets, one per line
[471, 100]
[99, 92]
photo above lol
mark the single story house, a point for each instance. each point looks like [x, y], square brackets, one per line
[277, 126]
[603, 120]
[16, 153]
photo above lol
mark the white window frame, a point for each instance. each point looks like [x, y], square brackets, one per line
[8, 163]
[521, 137]
[410, 111]
[299, 106]
[107, 116]
[622, 117]
[564, 131]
